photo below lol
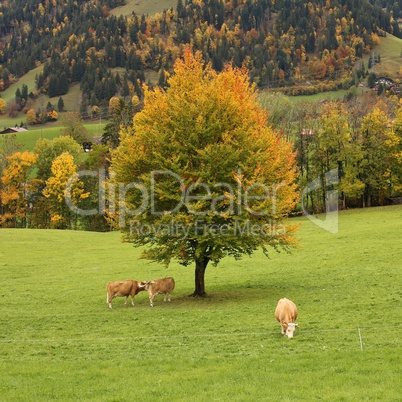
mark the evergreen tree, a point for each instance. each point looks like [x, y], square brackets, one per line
[53, 87]
[24, 93]
[84, 108]
[380, 89]
[63, 84]
[122, 116]
[18, 98]
[371, 80]
[162, 78]
[39, 80]
[60, 104]
[125, 90]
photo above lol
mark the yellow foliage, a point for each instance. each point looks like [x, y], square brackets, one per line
[64, 184]
[374, 39]
[16, 182]
[41, 9]
[3, 106]
[53, 115]
[135, 101]
[113, 103]
[205, 127]
[31, 116]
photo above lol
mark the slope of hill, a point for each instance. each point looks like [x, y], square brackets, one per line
[146, 7]
[390, 52]
[84, 43]
[27, 79]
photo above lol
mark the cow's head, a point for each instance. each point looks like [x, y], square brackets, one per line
[290, 329]
[142, 285]
[147, 284]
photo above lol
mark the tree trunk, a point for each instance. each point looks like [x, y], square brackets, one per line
[368, 197]
[200, 267]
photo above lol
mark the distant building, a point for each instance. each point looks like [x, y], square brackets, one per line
[384, 81]
[12, 130]
[388, 84]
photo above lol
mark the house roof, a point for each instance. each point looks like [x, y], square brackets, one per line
[13, 130]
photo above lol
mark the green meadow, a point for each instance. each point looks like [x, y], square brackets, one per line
[28, 139]
[145, 7]
[59, 341]
[389, 50]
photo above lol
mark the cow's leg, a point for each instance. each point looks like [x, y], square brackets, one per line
[151, 300]
[125, 303]
[164, 297]
[169, 294]
[109, 299]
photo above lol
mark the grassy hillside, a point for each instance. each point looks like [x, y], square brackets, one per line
[144, 7]
[60, 341]
[28, 79]
[390, 50]
[331, 95]
[29, 138]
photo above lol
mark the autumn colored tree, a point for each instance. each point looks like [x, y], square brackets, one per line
[15, 188]
[49, 150]
[113, 103]
[14, 109]
[3, 106]
[64, 190]
[396, 153]
[95, 111]
[52, 115]
[333, 148]
[211, 178]
[31, 117]
[377, 143]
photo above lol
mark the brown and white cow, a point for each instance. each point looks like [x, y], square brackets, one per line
[286, 315]
[123, 288]
[165, 286]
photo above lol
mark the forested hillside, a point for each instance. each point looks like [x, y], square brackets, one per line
[284, 43]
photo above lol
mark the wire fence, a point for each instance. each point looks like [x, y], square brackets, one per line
[300, 333]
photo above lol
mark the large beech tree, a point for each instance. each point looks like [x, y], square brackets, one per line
[200, 174]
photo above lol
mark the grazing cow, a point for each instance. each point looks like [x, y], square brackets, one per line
[165, 286]
[286, 314]
[123, 288]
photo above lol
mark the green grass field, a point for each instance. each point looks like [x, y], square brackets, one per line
[328, 96]
[58, 339]
[29, 139]
[28, 79]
